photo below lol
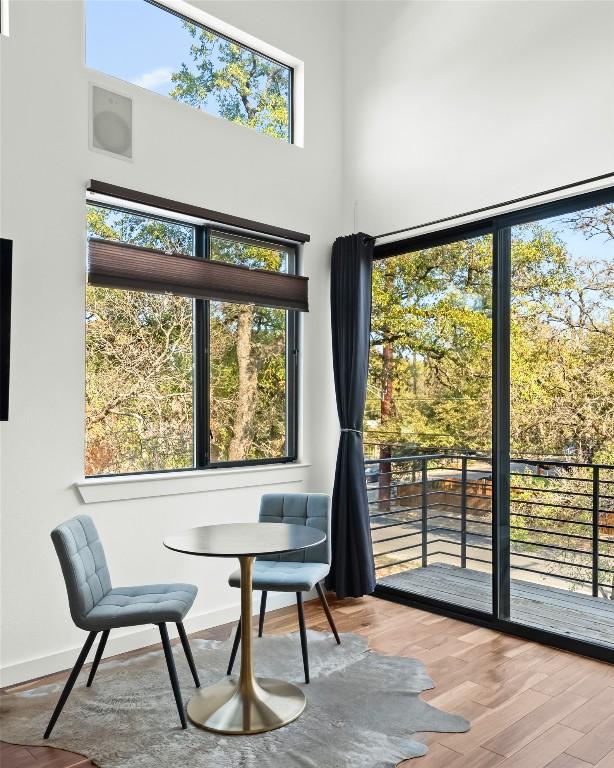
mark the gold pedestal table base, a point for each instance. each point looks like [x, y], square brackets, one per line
[246, 705]
[224, 708]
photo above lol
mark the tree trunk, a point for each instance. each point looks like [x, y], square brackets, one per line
[247, 387]
[386, 404]
[386, 408]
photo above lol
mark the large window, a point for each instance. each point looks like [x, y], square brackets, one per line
[179, 383]
[489, 421]
[160, 50]
[428, 414]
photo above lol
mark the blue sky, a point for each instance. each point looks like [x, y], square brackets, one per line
[598, 248]
[135, 41]
[597, 251]
[138, 42]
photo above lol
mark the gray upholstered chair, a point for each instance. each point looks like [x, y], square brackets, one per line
[296, 572]
[96, 607]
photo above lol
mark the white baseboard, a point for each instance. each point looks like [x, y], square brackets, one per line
[133, 639]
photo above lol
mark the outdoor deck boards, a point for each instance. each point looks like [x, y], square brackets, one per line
[568, 613]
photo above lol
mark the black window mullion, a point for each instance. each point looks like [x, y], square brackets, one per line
[291, 105]
[292, 368]
[501, 421]
[201, 364]
[291, 383]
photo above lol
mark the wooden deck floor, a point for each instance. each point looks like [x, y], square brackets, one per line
[558, 610]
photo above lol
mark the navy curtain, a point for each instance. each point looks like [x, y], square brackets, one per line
[352, 572]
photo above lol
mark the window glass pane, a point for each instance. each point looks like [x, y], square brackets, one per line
[139, 381]
[249, 253]
[138, 361]
[428, 422]
[136, 229]
[562, 424]
[563, 337]
[248, 382]
[146, 45]
[430, 360]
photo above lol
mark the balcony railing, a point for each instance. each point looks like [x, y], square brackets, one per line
[437, 507]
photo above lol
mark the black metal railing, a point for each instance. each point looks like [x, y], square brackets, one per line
[439, 505]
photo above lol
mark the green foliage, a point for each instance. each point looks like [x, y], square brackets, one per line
[432, 311]
[259, 430]
[139, 363]
[248, 363]
[430, 375]
[139, 230]
[235, 82]
[138, 383]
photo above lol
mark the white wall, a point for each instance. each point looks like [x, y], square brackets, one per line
[455, 105]
[179, 153]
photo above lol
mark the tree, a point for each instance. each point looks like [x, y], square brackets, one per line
[255, 351]
[139, 376]
[431, 336]
[430, 331]
[140, 362]
[239, 84]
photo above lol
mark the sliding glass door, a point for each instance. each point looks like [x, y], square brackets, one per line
[428, 425]
[489, 424]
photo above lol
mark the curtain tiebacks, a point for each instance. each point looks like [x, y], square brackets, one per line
[347, 429]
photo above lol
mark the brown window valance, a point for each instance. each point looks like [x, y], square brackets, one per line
[119, 265]
[174, 206]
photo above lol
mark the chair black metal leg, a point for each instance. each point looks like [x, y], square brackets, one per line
[262, 611]
[188, 652]
[301, 624]
[98, 656]
[235, 648]
[70, 682]
[172, 672]
[329, 615]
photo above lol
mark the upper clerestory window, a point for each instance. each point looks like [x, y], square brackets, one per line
[158, 48]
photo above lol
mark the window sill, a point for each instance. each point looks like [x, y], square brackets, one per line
[100, 489]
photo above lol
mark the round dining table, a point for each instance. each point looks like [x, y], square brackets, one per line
[248, 704]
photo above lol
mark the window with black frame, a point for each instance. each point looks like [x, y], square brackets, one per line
[175, 378]
[489, 421]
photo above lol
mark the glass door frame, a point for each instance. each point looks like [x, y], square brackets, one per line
[500, 227]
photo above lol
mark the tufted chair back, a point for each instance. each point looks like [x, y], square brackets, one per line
[310, 509]
[84, 565]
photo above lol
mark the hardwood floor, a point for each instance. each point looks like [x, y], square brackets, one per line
[530, 706]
